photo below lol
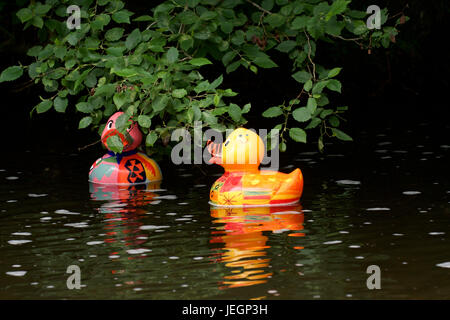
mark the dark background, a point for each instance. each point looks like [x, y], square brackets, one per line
[397, 87]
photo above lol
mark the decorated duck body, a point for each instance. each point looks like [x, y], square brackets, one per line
[128, 167]
[243, 184]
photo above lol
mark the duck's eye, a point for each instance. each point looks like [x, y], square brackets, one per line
[246, 135]
[240, 135]
[226, 143]
[109, 125]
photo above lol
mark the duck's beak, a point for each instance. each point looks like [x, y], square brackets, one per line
[215, 149]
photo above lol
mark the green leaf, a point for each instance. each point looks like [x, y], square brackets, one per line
[216, 83]
[337, 7]
[314, 123]
[209, 118]
[297, 134]
[300, 22]
[359, 27]
[160, 103]
[172, 55]
[301, 114]
[325, 113]
[151, 139]
[334, 72]
[179, 93]
[60, 52]
[11, 73]
[81, 78]
[308, 85]
[84, 107]
[318, 86]
[133, 39]
[41, 9]
[341, 135]
[334, 121]
[37, 22]
[199, 61]
[34, 51]
[114, 34]
[311, 105]
[286, 46]
[334, 85]
[24, 14]
[228, 57]
[301, 76]
[265, 62]
[44, 106]
[143, 18]
[226, 27]
[144, 121]
[233, 66]
[216, 100]
[275, 20]
[208, 15]
[187, 17]
[106, 89]
[84, 122]
[125, 72]
[267, 4]
[320, 143]
[186, 42]
[246, 108]
[235, 112]
[60, 104]
[100, 21]
[122, 16]
[272, 112]
[120, 98]
[115, 144]
[122, 121]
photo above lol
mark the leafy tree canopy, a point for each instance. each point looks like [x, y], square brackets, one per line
[149, 64]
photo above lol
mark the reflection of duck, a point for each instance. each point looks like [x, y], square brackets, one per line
[122, 208]
[137, 194]
[243, 184]
[244, 242]
[128, 167]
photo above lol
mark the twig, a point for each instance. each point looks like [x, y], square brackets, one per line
[89, 145]
[309, 56]
[259, 7]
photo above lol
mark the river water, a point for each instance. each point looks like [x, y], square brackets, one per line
[382, 200]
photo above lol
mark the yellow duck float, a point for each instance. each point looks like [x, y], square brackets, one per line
[243, 184]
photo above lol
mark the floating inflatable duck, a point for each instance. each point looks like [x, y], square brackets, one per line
[243, 184]
[128, 167]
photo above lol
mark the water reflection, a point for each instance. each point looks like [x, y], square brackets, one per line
[122, 211]
[241, 231]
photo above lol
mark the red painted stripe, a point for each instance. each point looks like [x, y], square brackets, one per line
[282, 201]
[257, 197]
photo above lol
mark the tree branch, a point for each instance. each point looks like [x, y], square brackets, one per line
[259, 7]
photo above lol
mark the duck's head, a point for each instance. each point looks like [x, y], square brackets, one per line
[131, 139]
[243, 150]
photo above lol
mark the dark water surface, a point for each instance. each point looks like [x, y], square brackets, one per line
[384, 201]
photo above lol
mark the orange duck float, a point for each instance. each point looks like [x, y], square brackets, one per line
[243, 184]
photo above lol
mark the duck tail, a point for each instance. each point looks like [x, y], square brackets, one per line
[296, 182]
